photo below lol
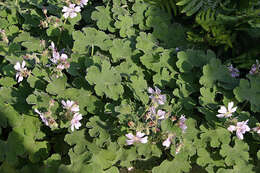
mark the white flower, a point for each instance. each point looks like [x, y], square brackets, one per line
[241, 128]
[43, 118]
[21, 71]
[182, 124]
[226, 112]
[70, 11]
[168, 141]
[83, 2]
[75, 121]
[138, 138]
[70, 106]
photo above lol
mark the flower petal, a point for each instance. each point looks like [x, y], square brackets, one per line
[230, 105]
[167, 142]
[220, 115]
[222, 110]
[231, 128]
[140, 134]
[144, 140]
[130, 136]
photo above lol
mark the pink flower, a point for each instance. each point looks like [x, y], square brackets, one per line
[241, 128]
[156, 96]
[75, 121]
[168, 141]
[70, 106]
[70, 11]
[136, 139]
[182, 124]
[226, 112]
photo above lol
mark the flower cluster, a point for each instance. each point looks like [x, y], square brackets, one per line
[72, 10]
[72, 114]
[153, 118]
[22, 71]
[59, 59]
[240, 127]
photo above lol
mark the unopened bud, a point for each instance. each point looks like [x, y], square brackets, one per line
[44, 10]
[131, 124]
[52, 102]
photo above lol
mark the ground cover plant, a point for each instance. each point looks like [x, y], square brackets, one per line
[129, 86]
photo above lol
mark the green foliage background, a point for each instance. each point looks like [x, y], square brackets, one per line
[117, 49]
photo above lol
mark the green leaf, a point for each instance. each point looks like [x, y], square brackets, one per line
[216, 73]
[193, 58]
[248, 90]
[90, 37]
[125, 24]
[124, 47]
[145, 42]
[236, 155]
[107, 80]
[103, 17]
[7, 81]
[57, 86]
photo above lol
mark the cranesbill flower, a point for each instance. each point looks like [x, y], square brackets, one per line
[139, 138]
[255, 68]
[256, 129]
[83, 2]
[226, 112]
[70, 106]
[182, 124]
[241, 128]
[153, 114]
[234, 72]
[156, 96]
[43, 118]
[75, 121]
[168, 141]
[21, 71]
[71, 11]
